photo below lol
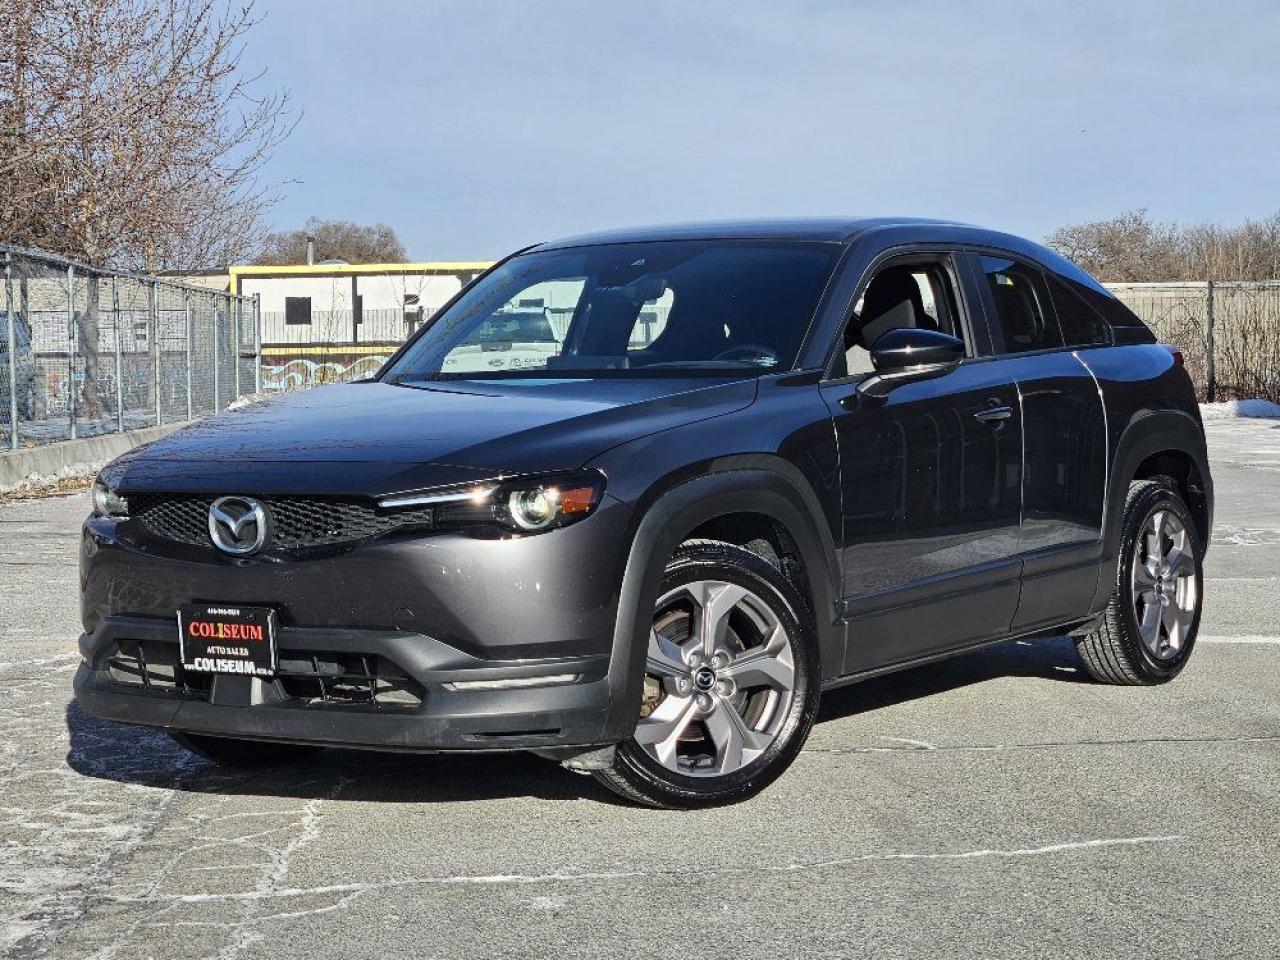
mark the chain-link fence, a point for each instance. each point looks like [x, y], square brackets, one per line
[85, 351]
[1229, 333]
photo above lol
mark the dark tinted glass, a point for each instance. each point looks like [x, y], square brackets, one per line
[629, 309]
[1022, 304]
[1081, 327]
[297, 310]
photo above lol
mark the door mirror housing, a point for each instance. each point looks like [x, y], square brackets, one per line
[911, 353]
[910, 348]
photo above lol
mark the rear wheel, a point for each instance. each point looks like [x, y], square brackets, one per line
[243, 753]
[1149, 628]
[731, 684]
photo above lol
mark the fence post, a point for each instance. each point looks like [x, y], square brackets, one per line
[1210, 366]
[71, 348]
[217, 398]
[153, 323]
[257, 343]
[239, 317]
[12, 335]
[115, 309]
[190, 336]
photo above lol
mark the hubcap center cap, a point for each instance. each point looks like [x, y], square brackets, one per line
[704, 678]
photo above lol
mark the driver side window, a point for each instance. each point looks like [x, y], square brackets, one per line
[914, 294]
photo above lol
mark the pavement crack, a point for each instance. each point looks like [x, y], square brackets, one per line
[922, 747]
[348, 892]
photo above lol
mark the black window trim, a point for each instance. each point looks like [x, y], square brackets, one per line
[946, 255]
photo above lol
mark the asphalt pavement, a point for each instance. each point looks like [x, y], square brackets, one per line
[999, 804]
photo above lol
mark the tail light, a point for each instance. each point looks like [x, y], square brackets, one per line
[1175, 353]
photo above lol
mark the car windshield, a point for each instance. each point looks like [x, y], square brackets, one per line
[628, 309]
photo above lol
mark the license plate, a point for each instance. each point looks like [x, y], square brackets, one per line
[218, 638]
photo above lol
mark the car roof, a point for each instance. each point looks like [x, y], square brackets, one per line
[829, 229]
[892, 230]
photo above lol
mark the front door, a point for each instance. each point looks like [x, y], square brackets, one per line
[931, 478]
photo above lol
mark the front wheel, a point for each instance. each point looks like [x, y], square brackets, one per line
[731, 685]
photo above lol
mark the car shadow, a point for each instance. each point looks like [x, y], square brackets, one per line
[146, 757]
[1051, 658]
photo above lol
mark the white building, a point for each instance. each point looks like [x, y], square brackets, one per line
[349, 306]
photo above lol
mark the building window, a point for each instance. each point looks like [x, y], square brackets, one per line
[297, 311]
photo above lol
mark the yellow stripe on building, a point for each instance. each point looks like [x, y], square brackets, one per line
[355, 269]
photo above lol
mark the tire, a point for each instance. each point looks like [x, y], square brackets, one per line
[1121, 649]
[720, 720]
[230, 752]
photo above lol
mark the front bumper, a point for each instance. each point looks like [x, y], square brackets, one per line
[428, 611]
[429, 713]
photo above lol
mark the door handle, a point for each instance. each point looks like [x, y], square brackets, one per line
[994, 414]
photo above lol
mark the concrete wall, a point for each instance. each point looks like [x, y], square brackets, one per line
[88, 453]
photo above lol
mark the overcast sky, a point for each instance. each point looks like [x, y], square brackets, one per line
[476, 127]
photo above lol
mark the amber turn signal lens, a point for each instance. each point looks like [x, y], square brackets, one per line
[578, 500]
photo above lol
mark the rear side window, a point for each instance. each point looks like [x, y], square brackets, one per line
[1025, 313]
[1081, 327]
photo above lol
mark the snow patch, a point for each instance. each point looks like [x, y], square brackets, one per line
[1232, 409]
[248, 400]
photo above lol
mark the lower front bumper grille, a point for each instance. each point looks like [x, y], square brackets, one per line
[332, 678]
[314, 678]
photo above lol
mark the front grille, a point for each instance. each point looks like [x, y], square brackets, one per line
[296, 523]
[315, 678]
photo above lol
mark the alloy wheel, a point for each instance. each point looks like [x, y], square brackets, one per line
[1163, 583]
[719, 680]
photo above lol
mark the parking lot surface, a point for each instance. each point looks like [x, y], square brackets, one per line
[996, 805]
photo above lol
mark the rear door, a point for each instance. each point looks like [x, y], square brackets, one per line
[931, 477]
[1064, 436]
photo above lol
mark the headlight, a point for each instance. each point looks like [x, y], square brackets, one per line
[108, 503]
[523, 505]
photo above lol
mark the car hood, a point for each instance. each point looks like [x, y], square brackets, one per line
[379, 438]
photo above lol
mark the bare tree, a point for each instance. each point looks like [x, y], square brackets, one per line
[1132, 247]
[335, 240]
[130, 134]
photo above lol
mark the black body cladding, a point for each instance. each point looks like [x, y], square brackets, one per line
[915, 518]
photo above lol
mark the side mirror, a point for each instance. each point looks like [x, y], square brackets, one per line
[910, 353]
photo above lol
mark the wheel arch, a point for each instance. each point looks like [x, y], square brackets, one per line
[764, 487]
[1154, 443]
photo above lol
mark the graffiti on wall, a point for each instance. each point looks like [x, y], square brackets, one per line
[301, 372]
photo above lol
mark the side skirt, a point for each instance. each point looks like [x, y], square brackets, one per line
[1072, 626]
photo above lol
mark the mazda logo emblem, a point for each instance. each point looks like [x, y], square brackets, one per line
[237, 525]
